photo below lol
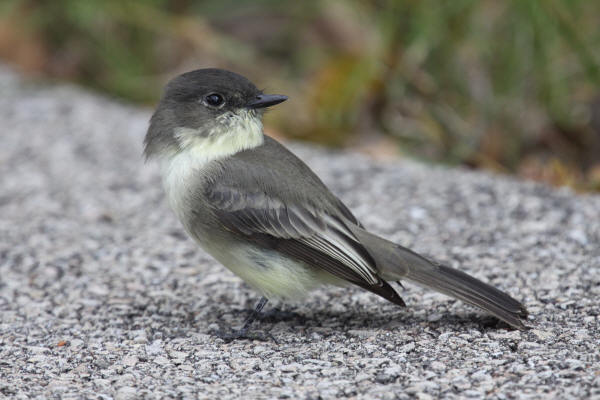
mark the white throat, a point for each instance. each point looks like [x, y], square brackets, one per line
[231, 133]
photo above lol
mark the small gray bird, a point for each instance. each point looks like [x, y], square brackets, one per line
[262, 213]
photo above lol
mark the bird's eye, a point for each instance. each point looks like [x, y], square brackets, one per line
[214, 99]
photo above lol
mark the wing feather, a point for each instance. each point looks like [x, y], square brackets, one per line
[326, 239]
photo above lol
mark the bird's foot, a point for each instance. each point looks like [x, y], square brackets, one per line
[244, 334]
[277, 315]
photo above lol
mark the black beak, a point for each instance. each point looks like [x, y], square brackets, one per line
[266, 100]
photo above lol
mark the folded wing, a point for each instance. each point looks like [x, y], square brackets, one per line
[301, 230]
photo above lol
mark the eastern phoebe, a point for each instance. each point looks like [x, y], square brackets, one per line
[262, 213]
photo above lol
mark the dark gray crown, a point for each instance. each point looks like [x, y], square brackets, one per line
[193, 85]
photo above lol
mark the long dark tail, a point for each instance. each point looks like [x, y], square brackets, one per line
[397, 263]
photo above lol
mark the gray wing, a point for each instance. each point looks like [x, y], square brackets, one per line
[300, 230]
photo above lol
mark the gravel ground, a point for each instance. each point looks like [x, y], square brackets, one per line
[103, 296]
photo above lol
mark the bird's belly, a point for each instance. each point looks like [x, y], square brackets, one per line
[272, 274]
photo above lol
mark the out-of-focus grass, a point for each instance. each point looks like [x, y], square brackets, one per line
[512, 86]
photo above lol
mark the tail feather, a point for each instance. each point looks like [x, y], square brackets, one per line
[396, 262]
[470, 290]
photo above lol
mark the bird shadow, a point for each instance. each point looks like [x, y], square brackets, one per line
[222, 315]
[314, 318]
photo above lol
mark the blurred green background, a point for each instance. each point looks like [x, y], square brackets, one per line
[511, 86]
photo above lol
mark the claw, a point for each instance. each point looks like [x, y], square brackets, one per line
[243, 334]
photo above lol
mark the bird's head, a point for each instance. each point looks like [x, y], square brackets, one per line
[207, 108]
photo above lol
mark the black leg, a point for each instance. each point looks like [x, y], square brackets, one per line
[242, 333]
[259, 306]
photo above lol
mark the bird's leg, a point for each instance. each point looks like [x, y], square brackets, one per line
[259, 306]
[242, 333]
